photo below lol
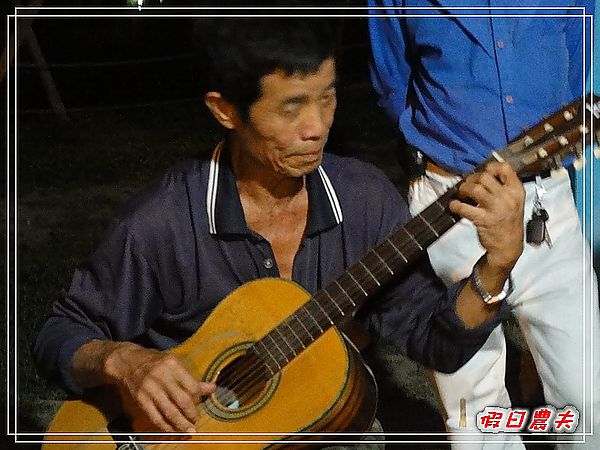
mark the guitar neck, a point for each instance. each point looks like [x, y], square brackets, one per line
[349, 291]
[542, 147]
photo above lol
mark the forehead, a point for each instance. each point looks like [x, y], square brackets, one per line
[278, 85]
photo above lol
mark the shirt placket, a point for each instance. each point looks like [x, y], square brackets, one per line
[264, 258]
[500, 28]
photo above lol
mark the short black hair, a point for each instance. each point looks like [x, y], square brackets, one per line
[234, 54]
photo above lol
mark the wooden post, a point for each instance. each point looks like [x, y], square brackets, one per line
[9, 49]
[47, 79]
[26, 34]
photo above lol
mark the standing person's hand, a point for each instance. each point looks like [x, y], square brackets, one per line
[496, 198]
[498, 216]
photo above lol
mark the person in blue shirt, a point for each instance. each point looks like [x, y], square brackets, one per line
[459, 88]
[268, 203]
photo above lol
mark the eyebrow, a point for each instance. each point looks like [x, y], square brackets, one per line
[303, 98]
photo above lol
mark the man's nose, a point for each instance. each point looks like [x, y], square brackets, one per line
[316, 123]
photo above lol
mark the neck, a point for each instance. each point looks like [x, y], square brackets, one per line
[260, 183]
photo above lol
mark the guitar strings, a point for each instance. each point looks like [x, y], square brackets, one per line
[242, 377]
[246, 384]
[254, 373]
[250, 370]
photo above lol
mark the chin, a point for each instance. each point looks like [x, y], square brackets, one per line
[299, 170]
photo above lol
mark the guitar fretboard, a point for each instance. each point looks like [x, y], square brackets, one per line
[350, 290]
[540, 148]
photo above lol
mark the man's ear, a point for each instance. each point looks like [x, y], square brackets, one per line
[224, 111]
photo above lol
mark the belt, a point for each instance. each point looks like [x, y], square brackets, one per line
[525, 178]
[430, 166]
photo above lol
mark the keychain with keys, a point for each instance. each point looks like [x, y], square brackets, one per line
[536, 231]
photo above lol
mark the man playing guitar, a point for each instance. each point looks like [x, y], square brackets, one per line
[269, 203]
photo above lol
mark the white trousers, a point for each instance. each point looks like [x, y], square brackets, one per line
[555, 300]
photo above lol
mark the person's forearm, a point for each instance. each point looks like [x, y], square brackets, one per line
[98, 362]
[470, 307]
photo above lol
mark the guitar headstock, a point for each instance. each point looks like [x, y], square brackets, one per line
[555, 141]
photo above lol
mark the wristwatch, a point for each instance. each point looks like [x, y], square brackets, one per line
[484, 294]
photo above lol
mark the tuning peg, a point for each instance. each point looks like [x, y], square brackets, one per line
[528, 140]
[597, 152]
[579, 163]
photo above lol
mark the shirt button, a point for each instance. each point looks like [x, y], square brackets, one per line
[509, 99]
[500, 43]
[268, 263]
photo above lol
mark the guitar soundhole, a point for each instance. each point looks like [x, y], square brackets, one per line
[240, 383]
[244, 384]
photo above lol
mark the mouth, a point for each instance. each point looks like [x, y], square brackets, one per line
[308, 154]
[301, 163]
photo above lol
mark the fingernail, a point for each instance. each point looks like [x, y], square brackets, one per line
[191, 430]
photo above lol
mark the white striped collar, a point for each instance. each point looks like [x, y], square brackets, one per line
[224, 209]
[211, 191]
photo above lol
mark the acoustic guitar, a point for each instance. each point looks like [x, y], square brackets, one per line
[263, 355]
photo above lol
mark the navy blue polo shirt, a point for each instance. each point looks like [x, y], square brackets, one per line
[182, 245]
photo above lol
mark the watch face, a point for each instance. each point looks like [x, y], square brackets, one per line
[495, 298]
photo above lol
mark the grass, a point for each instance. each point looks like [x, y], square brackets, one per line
[108, 147]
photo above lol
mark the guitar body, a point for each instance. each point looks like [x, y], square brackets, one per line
[324, 388]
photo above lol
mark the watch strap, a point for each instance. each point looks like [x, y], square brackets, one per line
[484, 294]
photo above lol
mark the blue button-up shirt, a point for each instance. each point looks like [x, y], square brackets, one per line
[182, 245]
[460, 87]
